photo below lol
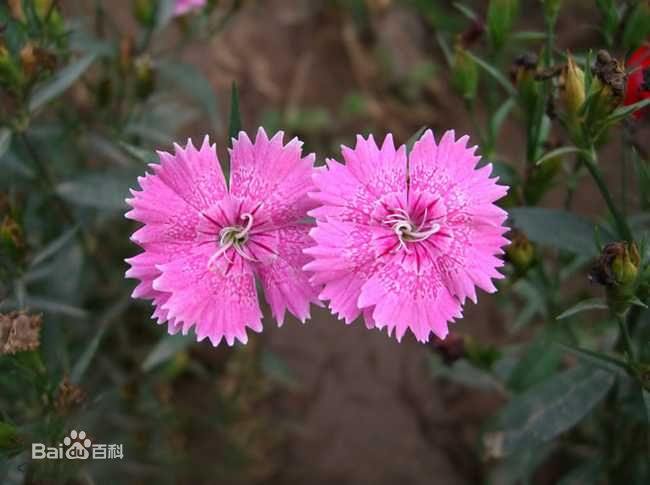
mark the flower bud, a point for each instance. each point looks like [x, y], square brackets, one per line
[145, 12]
[609, 84]
[522, 75]
[126, 53]
[19, 332]
[450, 349]
[500, 19]
[9, 70]
[11, 235]
[572, 90]
[145, 77]
[16, 9]
[68, 397]
[520, 252]
[551, 8]
[9, 437]
[617, 269]
[464, 73]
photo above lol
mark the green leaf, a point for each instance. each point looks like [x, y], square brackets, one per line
[558, 152]
[597, 359]
[506, 173]
[414, 137]
[105, 191]
[539, 361]
[61, 81]
[146, 156]
[528, 36]
[164, 13]
[500, 116]
[9, 437]
[193, 83]
[464, 373]
[466, 11]
[277, 369]
[235, 126]
[587, 473]
[625, 111]
[547, 410]
[166, 348]
[103, 323]
[590, 304]
[55, 246]
[558, 229]
[494, 72]
[5, 140]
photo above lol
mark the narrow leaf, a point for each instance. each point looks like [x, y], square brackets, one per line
[5, 140]
[590, 304]
[494, 72]
[414, 137]
[547, 410]
[604, 361]
[61, 81]
[146, 156]
[104, 322]
[165, 349]
[466, 11]
[193, 83]
[55, 246]
[557, 153]
[558, 229]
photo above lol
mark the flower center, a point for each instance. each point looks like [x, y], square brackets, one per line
[407, 231]
[234, 237]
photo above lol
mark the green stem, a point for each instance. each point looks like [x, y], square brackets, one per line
[621, 223]
[627, 340]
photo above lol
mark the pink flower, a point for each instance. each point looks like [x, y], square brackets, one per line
[406, 239]
[205, 244]
[184, 6]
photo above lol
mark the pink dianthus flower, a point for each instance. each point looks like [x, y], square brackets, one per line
[184, 6]
[406, 239]
[204, 243]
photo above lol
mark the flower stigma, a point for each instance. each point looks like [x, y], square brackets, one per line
[407, 231]
[234, 237]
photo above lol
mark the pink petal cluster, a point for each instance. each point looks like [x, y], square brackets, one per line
[184, 6]
[406, 239]
[205, 244]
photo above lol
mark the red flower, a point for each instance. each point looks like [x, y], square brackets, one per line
[638, 80]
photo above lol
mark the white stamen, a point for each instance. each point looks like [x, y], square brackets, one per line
[234, 237]
[406, 231]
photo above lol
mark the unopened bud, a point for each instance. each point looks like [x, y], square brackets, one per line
[126, 53]
[69, 396]
[450, 349]
[523, 74]
[551, 8]
[145, 77]
[9, 70]
[617, 269]
[145, 12]
[609, 84]
[572, 90]
[11, 235]
[520, 252]
[16, 9]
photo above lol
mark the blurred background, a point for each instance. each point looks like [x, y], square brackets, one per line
[90, 88]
